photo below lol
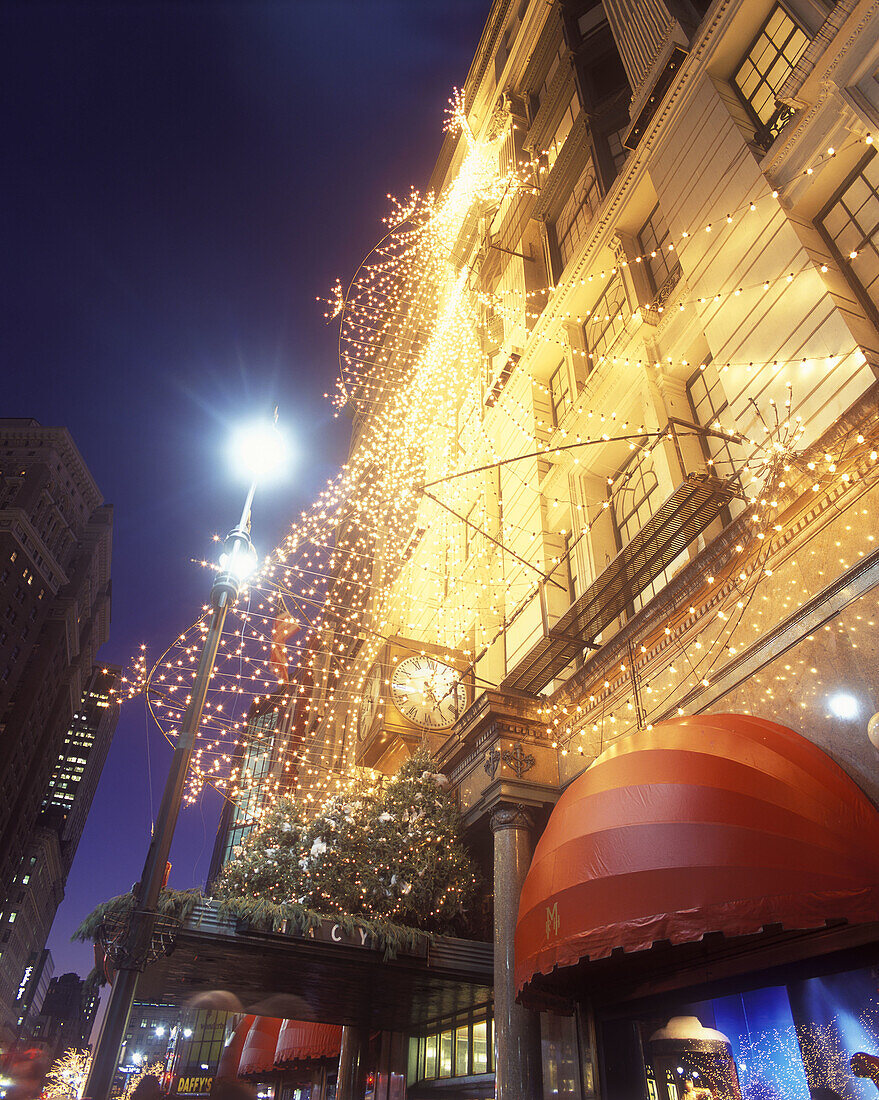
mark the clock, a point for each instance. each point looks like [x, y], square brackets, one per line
[428, 693]
[370, 697]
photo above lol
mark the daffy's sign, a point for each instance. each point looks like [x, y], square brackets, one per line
[194, 1086]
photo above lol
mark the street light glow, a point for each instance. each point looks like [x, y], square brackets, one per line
[240, 562]
[844, 705]
[258, 450]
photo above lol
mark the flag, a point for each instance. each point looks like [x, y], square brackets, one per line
[284, 627]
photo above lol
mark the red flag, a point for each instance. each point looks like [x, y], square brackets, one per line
[285, 626]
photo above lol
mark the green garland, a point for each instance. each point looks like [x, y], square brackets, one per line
[172, 903]
[390, 863]
[388, 937]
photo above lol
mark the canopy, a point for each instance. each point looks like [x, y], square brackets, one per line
[718, 822]
[261, 1044]
[301, 1040]
[258, 1055]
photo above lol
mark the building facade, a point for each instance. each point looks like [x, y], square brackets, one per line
[613, 465]
[55, 547]
[81, 759]
[66, 1015]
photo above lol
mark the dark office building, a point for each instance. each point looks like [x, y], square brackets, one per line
[55, 548]
[67, 1015]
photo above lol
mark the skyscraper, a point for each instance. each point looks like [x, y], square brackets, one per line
[55, 547]
[81, 760]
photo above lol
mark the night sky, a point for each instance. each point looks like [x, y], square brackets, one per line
[179, 180]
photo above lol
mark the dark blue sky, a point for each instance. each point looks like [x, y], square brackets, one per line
[179, 180]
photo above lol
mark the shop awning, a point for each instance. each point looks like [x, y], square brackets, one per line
[328, 976]
[258, 1054]
[262, 1044]
[303, 1041]
[715, 823]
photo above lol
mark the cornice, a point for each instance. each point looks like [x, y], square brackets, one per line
[540, 128]
[485, 51]
[540, 57]
[36, 437]
[561, 175]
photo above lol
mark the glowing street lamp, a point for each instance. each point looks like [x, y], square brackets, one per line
[260, 453]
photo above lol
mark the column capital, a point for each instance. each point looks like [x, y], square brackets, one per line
[511, 815]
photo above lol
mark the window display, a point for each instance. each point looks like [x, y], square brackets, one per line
[815, 1039]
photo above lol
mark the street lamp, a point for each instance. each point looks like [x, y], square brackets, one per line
[259, 451]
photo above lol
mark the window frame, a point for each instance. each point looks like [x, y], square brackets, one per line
[766, 129]
[560, 410]
[661, 249]
[850, 276]
[633, 463]
[591, 197]
[589, 339]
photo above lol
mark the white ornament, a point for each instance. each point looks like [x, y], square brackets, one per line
[873, 731]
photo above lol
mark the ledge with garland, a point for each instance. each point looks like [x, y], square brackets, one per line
[391, 863]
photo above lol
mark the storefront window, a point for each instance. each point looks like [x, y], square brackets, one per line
[430, 1057]
[480, 1047]
[462, 1051]
[458, 1047]
[561, 1068]
[810, 1039]
[445, 1054]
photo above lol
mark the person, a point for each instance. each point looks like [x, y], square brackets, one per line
[149, 1087]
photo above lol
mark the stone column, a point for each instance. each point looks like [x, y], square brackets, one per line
[351, 1084]
[517, 1030]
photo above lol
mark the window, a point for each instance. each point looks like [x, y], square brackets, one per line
[459, 1047]
[767, 65]
[565, 125]
[659, 261]
[618, 151]
[560, 392]
[707, 402]
[798, 1040]
[849, 223]
[539, 97]
[606, 320]
[576, 215]
[635, 496]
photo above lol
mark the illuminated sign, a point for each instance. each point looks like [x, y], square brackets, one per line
[194, 1086]
[22, 985]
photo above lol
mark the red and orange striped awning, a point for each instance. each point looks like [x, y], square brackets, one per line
[719, 822]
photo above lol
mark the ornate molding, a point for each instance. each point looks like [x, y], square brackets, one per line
[492, 761]
[511, 815]
[518, 761]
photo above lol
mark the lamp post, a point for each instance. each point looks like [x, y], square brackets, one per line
[259, 450]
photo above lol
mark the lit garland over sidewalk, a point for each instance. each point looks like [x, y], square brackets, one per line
[411, 371]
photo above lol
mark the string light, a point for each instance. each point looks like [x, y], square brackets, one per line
[431, 529]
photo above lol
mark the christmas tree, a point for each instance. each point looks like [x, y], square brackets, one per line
[395, 856]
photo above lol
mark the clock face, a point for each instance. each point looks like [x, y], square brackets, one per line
[428, 693]
[369, 700]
